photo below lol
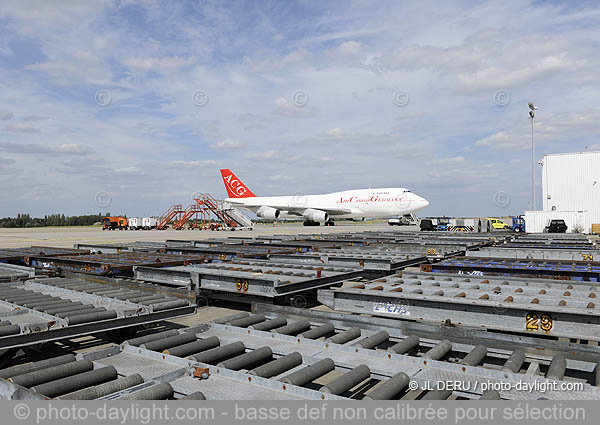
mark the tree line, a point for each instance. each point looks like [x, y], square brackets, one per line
[25, 220]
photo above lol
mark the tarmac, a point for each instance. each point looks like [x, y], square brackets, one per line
[66, 237]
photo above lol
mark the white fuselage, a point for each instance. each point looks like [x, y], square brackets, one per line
[361, 203]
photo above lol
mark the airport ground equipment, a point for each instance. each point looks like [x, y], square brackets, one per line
[246, 280]
[537, 253]
[111, 264]
[246, 358]
[114, 223]
[518, 224]
[12, 272]
[22, 255]
[49, 309]
[385, 261]
[562, 270]
[536, 307]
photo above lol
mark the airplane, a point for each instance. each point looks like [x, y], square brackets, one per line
[323, 209]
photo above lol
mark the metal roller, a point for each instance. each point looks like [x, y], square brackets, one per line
[33, 366]
[309, 373]
[160, 391]
[167, 305]
[49, 301]
[294, 328]
[62, 303]
[405, 345]
[92, 317]
[389, 389]
[373, 340]
[490, 395]
[348, 380]
[217, 354]
[277, 367]
[437, 395]
[101, 390]
[514, 362]
[77, 382]
[236, 316]
[30, 379]
[80, 311]
[10, 330]
[318, 332]
[194, 396]
[194, 347]
[244, 361]
[345, 336]
[476, 356]
[269, 324]
[247, 321]
[439, 350]
[172, 341]
[557, 368]
[56, 310]
[151, 337]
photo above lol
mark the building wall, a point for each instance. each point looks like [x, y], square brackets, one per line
[571, 182]
[535, 221]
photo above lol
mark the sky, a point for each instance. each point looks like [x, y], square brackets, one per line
[131, 106]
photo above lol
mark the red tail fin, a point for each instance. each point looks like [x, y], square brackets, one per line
[235, 187]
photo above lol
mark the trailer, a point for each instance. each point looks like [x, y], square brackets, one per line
[50, 309]
[248, 280]
[134, 223]
[294, 354]
[149, 223]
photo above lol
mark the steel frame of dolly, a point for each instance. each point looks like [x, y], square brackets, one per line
[326, 358]
[112, 263]
[22, 255]
[50, 309]
[537, 253]
[542, 308]
[249, 279]
[561, 270]
[385, 262]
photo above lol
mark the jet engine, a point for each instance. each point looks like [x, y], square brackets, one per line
[268, 212]
[317, 216]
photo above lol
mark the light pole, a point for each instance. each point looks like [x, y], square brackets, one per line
[532, 117]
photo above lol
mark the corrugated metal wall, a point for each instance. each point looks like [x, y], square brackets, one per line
[535, 221]
[571, 182]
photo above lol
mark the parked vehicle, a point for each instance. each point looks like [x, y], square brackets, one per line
[114, 223]
[427, 225]
[135, 223]
[518, 224]
[149, 223]
[498, 224]
[556, 226]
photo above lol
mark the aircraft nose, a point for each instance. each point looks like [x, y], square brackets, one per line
[423, 201]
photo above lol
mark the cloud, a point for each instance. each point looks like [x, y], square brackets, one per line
[160, 65]
[32, 148]
[5, 116]
[191, 164]
[266, 155]
[287, 108]
[21, 128]
[227, 144]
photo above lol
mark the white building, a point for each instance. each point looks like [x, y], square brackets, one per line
[570, 190]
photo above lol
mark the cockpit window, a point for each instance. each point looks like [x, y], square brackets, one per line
[406, 191]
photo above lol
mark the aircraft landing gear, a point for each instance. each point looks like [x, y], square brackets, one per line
[330, 223]
[312, 223]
